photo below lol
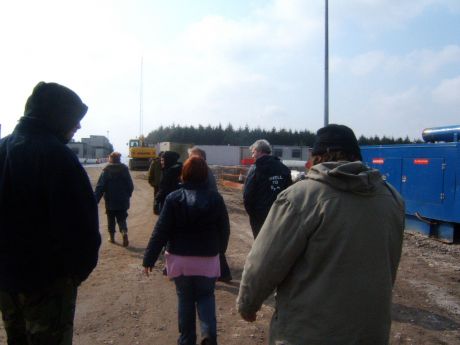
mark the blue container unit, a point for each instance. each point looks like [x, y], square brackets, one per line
[428, 177]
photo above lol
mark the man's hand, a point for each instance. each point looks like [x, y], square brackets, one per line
[251, 317]
[147, 270]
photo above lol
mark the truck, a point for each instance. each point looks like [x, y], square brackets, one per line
[427, 175]
[180, 148]
[140, 154]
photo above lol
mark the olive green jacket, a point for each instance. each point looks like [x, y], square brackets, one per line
[330, 247]
[154, 174]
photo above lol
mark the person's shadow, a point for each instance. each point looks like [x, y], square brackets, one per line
[399, 312]
[136, 252]
[422, 318]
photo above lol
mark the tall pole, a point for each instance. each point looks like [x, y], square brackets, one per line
[141, 105]
[326, 67]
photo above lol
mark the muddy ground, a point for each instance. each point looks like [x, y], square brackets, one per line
[119, 305]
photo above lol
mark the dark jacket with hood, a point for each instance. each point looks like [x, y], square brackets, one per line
[265, 180]
[48, 214]
[193, 222]
[116, 185]
[170, 177]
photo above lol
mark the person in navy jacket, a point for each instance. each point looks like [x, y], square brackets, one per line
[116, 185]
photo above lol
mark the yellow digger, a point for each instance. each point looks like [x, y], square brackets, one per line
[140, 154]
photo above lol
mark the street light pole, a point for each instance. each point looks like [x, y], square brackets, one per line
[326, 66]
[141, 100]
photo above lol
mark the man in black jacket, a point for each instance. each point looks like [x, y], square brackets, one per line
[116, 185]
[265, 180]
[49, 232]
[170, 176]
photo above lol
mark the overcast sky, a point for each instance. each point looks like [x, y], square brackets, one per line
[394, 64]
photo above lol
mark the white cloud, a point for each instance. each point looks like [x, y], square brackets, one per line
[223, 70]
[263, 69]
[448, 93]
[381, 15]
[418, 63]
[431, 62]
[391, 114]
[364, 64]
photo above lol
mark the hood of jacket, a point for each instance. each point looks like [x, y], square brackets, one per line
[170, 158]
[58, 107]
[353, 177]
[30, 126]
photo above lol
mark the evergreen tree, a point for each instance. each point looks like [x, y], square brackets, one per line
[246, 136]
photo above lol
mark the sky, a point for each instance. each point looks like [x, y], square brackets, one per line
[394, 64]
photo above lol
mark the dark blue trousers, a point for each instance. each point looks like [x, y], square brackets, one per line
[196, 294]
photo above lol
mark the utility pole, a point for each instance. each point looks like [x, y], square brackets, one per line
[326, 66]
[141, 100]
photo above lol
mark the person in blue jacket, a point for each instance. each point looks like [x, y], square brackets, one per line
[116, 185]
[49, 231]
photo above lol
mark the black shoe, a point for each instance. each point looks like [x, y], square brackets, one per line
[125, 239]
[208, 341]
[111, 237]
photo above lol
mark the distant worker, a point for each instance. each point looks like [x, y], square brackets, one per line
[225, 274]
[198, 152]
[154, 178]
[330, 247]
[170, 176]
[194, 227]
[265, 180]
[49, 232]
[116, 185]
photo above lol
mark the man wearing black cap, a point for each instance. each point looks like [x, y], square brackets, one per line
[49, 232]
[330, 247]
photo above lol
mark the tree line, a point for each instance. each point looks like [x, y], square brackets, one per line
[218, 135]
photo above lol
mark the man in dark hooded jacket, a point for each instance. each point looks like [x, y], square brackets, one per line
[49, 232]
[116, 185]
[171, 170]
[265, 180]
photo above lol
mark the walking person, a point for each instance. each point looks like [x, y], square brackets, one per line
[49, 232]
[154, 178]
[225, 274]
[170, 176]
[194, 227]
[116, 185]
[266, 179]
[198, 152]
[330, 247]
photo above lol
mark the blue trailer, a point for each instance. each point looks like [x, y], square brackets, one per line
[428, 177]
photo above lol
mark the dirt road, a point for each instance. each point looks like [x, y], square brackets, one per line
[119, 305]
